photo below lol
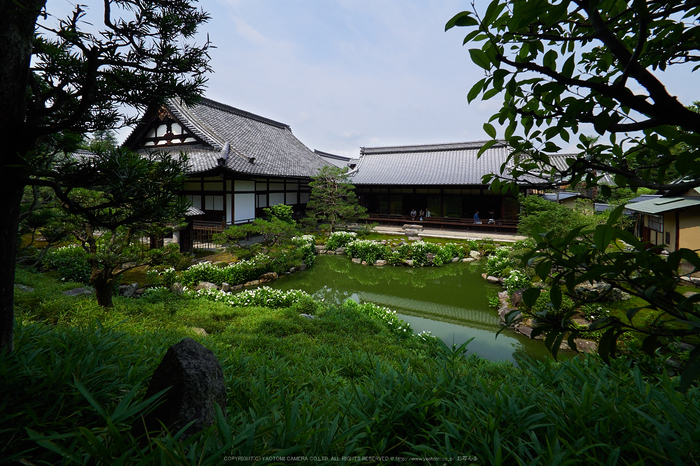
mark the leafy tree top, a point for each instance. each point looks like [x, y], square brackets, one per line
[333, 200]
[82, 76]
[63, 78]
[563, 64]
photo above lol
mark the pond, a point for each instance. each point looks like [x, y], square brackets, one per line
[450, 301]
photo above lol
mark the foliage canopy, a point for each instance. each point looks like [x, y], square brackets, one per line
[333, 201]
[563, 67]
[64, 77]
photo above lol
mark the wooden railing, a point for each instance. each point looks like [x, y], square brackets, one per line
[498, 226]
[203, 232]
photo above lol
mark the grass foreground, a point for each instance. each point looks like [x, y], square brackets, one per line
[344, 387]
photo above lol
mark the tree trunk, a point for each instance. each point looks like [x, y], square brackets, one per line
[17, 20]
[103, 290]
[11, 195]
[100, 277]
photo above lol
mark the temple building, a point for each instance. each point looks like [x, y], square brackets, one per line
[444, 179]
[240, 162]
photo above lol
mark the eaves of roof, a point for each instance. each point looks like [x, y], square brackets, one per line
[423, 148]
[333, 159]
[193, 212]
[560, 196]
[645, 197]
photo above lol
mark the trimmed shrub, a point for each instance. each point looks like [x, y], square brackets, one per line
[516, 280]
[367, 250]
[70, 262]
[263, 296]
[340, 239]
[307, 245]
[499, 263]
[162, 276]
[398, 327]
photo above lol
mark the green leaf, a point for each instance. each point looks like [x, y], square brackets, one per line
[569, 66]
[633, 312]
[530, 296]
[650, 344]
[543, 269]
[494, 9]
[603, 236]
[601, 123]
[84, 391]
[676, 257]
[510, 129]
[550, 60]
[490, 130]
[475, 90]
[599, 324]
[486, 146]
[555, 296]
[607, 344]
[691, 371]
[537, 331]
[572, 340]
[45, 442]
[475, 35]
[614, 215]
[553, 341]
[490, 93]
[462, 19]
[480, 58]
[513, 317]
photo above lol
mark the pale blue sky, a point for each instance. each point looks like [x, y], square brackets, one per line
[346, 74]
[350, 73]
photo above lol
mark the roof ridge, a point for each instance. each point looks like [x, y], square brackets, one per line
[242, 113]
[428, 147]
[332, 156]
[189, 119]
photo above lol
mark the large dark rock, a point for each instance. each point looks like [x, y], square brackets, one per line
[196, 383]
[128, 290]
[600, 291]
[83, 291]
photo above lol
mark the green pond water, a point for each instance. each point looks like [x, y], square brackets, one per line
[450, 301]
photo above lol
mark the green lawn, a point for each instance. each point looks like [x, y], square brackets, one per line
[342, 384]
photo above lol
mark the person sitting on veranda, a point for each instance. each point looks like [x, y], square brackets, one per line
[477, 220]
[492, 218]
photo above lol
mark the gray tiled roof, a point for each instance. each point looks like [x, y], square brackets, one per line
[333, 159]
[559, 161]
[193, 212]
[434, 164]
[245, 142]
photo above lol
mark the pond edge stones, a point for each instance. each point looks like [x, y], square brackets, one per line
[509, 304]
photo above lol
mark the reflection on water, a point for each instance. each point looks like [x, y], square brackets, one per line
[450, 301]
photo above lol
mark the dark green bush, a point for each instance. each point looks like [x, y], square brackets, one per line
[70, 396]
[340, 239]
[71, 263]
[487, 246]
